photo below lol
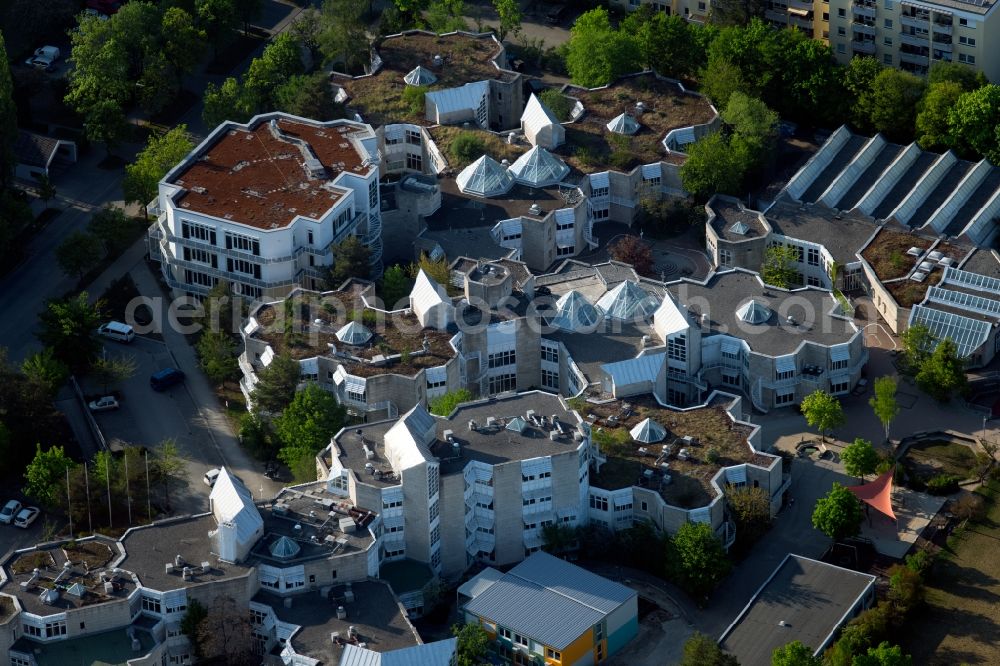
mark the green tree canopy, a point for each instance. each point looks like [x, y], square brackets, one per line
[754, 129]
[473, 643]
[701, 561]
[280, 61]
[956, 72]
[217, 355]
[110, 370]
[350, 260]
[700, 650]
[884, 654]
[596, 53]
[443, 405]
[445, 16]
[225, 102]
[8, 119]
[169, 466]
[343, 38]
[183, 42]
[69, 327]
[309, 96]
[162, 153]
[780, 266]
[509, 13]
[942, 375]
[751, 510]
[839, 514]
[219, 19]
[112, 228]
[45, 371]
[276, 384]
[891, 103]
[306, 426]
[78, 253]
[933, 130]
[974, 121]
[918, 343]
[822, 411]
[858, 78]
[884, 403]
[720, 79]
[396, 286]
[46, 475]
[712, 167]
[794, 654]
[860, 458]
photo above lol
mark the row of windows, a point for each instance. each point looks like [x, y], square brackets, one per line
[550, 354]
[550, 379]
[500, 359]
[677, 348]
[502, 383]
[529, 501]
[599, 503]
[525, 478]
[564, 225]
[565, 251]
[243, 267]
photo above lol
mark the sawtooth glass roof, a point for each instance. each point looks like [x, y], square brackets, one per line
[968, 334]
[485, 178]
[538, 168]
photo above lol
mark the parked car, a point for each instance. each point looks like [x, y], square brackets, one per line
[8, 512]
[211, 476]
[164, 379]
[44, 58]
[26, 516]
[91, 12]
[105, 404]
[116, 331]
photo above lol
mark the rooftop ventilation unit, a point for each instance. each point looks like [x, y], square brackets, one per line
[918, 276]
[438, 61]
[535, 209]
[914, 252]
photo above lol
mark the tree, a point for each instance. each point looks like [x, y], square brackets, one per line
[444, 405]
[437, 269]
[112, 228]
[779, 267]
[309, 96]
[794, 654]
[918, 343]
[279, 62]
[473, 643]
[933, 131]
[350, 260]
[809, 86]
[276, 384]
[46, 475]
[596, 53]
[466, 147]
[225, 633]
[839, 514]
[99, 80]
[218, 18]
[884, 654]
[183, 42]
[445, 16]
[46, 190]
[162, 153]
[860, 458]
[822, 411]
[247, 11]
[509, 13]
[712, 167]
[396, 286]
[632, 250]
[169, 465]
[973, 123]
[109, 370]
[557, 103]
[191, 623]
[701, 561]
[45, 371]
[78, 253]
[306, 29]
[955, 72]
[225, 102]
[558, 538]
[700, 650]
[943, 374]
[906, 589]
[306, 426]
[720, 79]
[751, 509]
[68, 326]
[891, 103]
[667, 43]
[223, 310]
[104, 122]
[217, 354]
[754, 129]
[884, 403]
[255, 436]
[343, 37]
[8, 119]
[858, 78]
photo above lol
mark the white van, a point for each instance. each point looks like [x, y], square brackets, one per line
[117, 331]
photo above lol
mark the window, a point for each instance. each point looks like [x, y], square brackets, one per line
[599, 503]
[599, 192]
[563, 225]
[433, 480]
[888, 24]
[839, 387]
[826, 16]
[967, 59]
[842, 12]
[733, 379]
[201, 256]
[392, 504]
[32, 630]
[701, 6]
[243, 267]
[623, 507]
[887, 58]
[812, 256]
[968, 41]
[565, 251]
[503, 358]
[600, 213]
[783, 374]
[550, 354]
[373, 194]
[510, 236]
[887, 41]
[150, 604]
[196, 231]
[19, 661]
[963, 22]
[783, 398]
[243, 243]
[888, 4]
[413, 137]
[342, 220]
[309, 236]
[257, 617]
[841, 48]
[180, 608]
[520, 640]
[550, 379]
[838, 365]
[813, 281]
[414, 162]
[553, 655]
[357, 396]
[503, 632]
[677, 348]
[435, 384]
[57, 628]
[725, 257]
[651, 182]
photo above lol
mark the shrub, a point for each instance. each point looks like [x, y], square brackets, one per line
[557, 103]
[943, 484]
[466, 147]
[413, 96]
[920, 561]
[969, 507]
[613, 442]
[621, 159]
[445, 404]
[712, 455]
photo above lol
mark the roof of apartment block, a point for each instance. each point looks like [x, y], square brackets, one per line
[462, 211]
[511, 437]
[722, 295]
[590, 146]
[842, 233]
[803, 600]
[303, 523]
[78, 574]
[108, 647]
[350, 444]
[375, 614]
[465, 58]
[325, 315]
[734, 222]
[897, 254]
[257, 177]
[709, 427]
[148, 549]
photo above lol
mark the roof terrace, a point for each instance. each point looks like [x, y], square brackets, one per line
[733, 222]
[267, 175]
[75, 574]
[464, 58]
[691, 434]
[908, 263]
[842, 233]
[109, 648]
[591, 146]
[461, 211]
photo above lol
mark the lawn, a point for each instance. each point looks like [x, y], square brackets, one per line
[932, 457]
[961, 624]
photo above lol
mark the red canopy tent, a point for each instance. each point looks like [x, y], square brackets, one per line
[878, 494]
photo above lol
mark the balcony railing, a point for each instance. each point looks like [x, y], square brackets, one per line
[866, 46]
[943, 28]
[866, 12]
[863, 29]
[914, 21]
[800, 22]
[913, 40]
[798, 4]
[913, 59]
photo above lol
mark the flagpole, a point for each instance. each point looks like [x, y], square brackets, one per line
[69, 505]
[86, 482]
[128, 495]
[149, 508]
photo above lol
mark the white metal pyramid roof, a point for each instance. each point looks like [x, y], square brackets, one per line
[536, 115]
[233, 503]
[753, 312]
[538, 168]
[485, 178]
[420, 76]
[627, 301]
[575, 313]
[406, 442]
[648, 431]
[623, 124]
[353, 333]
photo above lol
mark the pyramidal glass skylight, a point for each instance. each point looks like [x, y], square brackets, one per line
[538, 168]
[485, 178]
[753, 312]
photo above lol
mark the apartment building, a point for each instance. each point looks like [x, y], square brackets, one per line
[262, 205]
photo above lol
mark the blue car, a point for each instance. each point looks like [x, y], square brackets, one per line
[164, 379]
